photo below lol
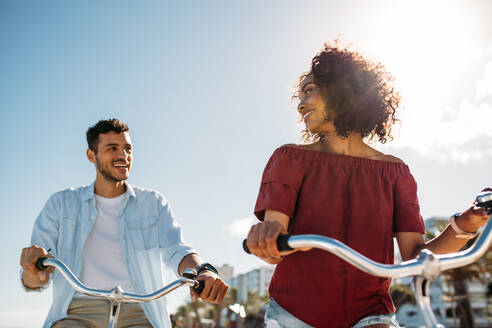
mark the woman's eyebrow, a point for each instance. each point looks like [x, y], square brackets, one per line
[305, 85]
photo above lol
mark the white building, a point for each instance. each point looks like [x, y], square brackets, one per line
[256, 280]
[226, 272]
[441, 295]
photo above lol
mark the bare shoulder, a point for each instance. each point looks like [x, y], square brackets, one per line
[389, 158]
[313, 146]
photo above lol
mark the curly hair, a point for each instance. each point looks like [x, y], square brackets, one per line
[359, 91]
[103, 127]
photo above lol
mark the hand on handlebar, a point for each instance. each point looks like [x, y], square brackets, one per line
[473, 217]
[262, 241]
[32, 276]
[214, 290]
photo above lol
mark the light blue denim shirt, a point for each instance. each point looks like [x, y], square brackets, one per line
[149, 237]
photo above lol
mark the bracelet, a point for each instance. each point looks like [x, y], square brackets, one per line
[460, 233]
[206, 266]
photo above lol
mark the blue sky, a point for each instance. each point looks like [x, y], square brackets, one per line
[205, 88]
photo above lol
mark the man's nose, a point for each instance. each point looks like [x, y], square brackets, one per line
[123, 154]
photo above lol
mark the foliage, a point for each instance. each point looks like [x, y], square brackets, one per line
[401, 294]
[481, 271]
[193, 311]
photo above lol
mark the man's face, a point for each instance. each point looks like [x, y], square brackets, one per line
[113, 158]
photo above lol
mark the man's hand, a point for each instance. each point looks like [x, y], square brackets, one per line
[33, 277]
[473, 218]
[215, 289]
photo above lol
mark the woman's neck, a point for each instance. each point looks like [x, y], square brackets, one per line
[353, 145]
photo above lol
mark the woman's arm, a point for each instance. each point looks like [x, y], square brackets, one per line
[411, 243]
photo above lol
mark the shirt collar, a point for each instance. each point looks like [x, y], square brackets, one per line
[88, 192]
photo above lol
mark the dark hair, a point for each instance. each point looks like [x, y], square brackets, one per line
[359, 91]
[102, 127]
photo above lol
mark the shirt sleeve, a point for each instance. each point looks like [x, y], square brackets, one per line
[45, 233]
[171, 242]
[407, 216]
[280, 184]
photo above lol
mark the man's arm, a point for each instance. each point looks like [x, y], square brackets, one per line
[215, 289]
[44, 236]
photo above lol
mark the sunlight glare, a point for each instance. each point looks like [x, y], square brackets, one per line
[426, 45]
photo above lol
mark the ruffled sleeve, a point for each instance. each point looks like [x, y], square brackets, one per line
[280, 184]
[407, 216]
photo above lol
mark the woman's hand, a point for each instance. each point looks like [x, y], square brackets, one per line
[262, 240]
[262, 237]
[473, 217]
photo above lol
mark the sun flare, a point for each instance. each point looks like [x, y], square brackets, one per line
[428, 47]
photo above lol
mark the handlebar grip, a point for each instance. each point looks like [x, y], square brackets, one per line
[39, 263]
[484, 199]
[282, 244]
[199, 288]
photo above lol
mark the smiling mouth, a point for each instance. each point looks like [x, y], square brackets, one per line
[306, 115]
[120, 165]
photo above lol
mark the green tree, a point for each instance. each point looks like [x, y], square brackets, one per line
[214, 311]
[253, 305]
[195, 307]
[183, 314]
[401, 294]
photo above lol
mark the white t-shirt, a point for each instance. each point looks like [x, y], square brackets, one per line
[103, 265]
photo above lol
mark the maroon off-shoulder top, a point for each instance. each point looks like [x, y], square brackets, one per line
[360, 202]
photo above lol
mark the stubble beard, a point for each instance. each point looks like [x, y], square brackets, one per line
[106, 174]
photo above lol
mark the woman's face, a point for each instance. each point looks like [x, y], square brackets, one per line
[312, 107]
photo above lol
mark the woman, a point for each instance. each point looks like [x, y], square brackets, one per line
[341, 187]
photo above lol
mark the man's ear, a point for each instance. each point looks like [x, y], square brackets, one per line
[91, 156]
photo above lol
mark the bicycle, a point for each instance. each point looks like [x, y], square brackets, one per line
[424, 269]
[116, 295]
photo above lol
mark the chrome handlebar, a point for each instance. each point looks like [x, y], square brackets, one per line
[117, 295]
[414, 267]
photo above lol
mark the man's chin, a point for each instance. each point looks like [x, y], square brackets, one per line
[117, 179]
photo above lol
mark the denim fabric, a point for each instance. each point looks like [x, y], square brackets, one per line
[278, 317]
[389, 319]
[149, 237]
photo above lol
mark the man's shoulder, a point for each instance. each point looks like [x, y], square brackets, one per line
[144, 194]
[73, 192]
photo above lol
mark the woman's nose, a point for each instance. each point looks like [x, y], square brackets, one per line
[301, 107]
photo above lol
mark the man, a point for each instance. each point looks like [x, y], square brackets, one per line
[111, 233]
